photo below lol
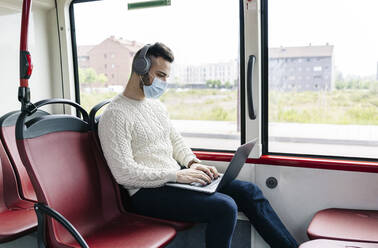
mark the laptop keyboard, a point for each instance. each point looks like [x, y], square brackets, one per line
[206, 185]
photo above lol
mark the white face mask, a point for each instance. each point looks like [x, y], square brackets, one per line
[156, 89]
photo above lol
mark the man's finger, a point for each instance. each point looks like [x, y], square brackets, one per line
[204, 176]
[214, 171]
[198, 180]
[206, 170]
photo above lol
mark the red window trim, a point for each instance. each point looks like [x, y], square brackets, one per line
[316, 163]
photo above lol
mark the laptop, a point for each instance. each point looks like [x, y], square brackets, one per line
[231, 173]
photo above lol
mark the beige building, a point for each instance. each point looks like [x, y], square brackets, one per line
[197, 75]
[112, 57]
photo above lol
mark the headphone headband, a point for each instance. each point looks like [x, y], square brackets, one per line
[144, 51]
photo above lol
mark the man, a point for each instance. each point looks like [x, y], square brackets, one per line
[143, 151]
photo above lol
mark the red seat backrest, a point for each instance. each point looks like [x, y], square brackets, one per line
[2, 202]
[9, 195]
[7, 136]
[63, 168]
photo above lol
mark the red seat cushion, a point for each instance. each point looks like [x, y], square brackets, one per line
[16, 222]
[345, 224]
[179, 226]
[324, 243]
[128, 230]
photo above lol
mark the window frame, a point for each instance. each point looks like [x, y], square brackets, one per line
[265, 107]
[241, 71]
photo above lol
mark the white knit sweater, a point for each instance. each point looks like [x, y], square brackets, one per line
[140, 144]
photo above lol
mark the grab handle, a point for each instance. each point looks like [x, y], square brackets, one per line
[63, 101]
[251, 66]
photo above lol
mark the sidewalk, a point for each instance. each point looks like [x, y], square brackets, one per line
[286, 132]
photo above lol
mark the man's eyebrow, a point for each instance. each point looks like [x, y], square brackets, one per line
[164, 74]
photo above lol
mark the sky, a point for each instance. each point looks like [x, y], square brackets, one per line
[204, 31]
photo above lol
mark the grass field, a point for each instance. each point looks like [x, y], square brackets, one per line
[335, 107]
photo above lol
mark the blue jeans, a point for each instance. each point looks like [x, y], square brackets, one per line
[218, 210]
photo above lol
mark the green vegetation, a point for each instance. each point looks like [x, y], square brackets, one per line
[357, 106]
[201, 104]
[90, 76]
[218, 84]
[88, 100]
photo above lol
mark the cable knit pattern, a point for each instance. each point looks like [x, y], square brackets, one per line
[140, 144]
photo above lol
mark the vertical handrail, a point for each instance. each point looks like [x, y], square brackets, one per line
[26, 66]
[251, 66]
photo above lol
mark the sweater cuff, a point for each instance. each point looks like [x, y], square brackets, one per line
[172, 176]
[191, 158]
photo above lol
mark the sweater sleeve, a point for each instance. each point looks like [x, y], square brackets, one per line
[115, 137]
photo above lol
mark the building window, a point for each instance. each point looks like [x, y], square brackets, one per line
[317, 68]
[113, 66]
[105, 55]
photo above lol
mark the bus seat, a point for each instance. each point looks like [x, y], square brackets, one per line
[7, 136]
[345, 224]
[123, 193]
[16, 215]
[57, 153]
[325, 243]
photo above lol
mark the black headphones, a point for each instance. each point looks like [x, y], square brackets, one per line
[141, 63]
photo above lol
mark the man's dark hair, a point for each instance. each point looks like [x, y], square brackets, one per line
[160, 50]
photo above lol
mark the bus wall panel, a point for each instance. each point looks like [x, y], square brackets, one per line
[301, 192]
[39, 44]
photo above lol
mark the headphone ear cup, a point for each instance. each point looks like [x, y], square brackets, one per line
[141, 65]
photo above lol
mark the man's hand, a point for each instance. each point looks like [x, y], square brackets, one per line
[211, 171]
[192, 175]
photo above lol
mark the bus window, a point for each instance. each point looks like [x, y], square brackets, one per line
[322, 63]
[202, 99]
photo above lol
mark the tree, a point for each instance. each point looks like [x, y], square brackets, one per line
[89, 76]
[210, 83]
[217, 84]
[101, 78]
